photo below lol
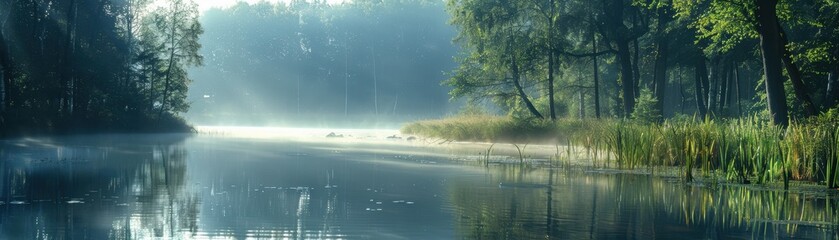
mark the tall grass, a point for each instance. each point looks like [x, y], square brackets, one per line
[742, 150]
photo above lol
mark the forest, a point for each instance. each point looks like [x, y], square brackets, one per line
[419, 119]
[93, 66]
[742, 91]
[310, 63]
[127, 65]
[775, 59]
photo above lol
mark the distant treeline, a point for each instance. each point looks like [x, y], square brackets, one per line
[299, 61]
[92, 66]
[612, 58]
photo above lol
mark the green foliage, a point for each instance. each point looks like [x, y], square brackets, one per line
[175, 30]
[725, 23]
[100, 66]
[645, 108]
[506, 47]
[473, 108]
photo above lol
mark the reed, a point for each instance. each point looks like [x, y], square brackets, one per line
[743, 150]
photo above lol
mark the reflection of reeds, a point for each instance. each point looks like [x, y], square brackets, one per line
[741, 150]
[627, 204]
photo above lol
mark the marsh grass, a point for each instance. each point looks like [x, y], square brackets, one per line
[741, 150]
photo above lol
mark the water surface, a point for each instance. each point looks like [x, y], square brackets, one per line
[364, 186]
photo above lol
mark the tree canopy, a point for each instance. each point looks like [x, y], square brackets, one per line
[72, 65]
[732, 49]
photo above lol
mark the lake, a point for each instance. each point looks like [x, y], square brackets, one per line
[298, 184]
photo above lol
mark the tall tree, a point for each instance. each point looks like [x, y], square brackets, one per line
[4, 55]
[178, 28]
[730, 22]
[617, 33]
[770, 40]
[700, 84]
[497, 35]
[596, 69]
[663, 17]
[551, 42]
[63, 62]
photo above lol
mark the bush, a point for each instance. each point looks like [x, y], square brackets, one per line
[646, 110]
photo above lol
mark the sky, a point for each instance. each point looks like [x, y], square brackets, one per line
[203, 5]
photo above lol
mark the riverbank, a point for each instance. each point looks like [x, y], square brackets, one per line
[13, 127]
[739, 150]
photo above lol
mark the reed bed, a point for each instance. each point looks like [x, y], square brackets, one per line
[741, 150]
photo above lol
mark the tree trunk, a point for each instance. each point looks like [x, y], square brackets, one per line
[551, 62]
[167, 82]
[636, 69]
[595, 72]
[582, 105]
[767, 20]
[626, 77]
[660, 68]
[617, 33]
[737, 88]
[726, 80]
[705, 82]
[150, 76]
[699, 74]
[681, 90]
[129, 21]
[794, 73]
[636, 63]
[36, 27]
[4, 62]
[375, 81]
[551, 85]
[832, 88]
[168, 78]
[66, 68]
[714, 81]
[660, 73]
[2, 86]
[516, 82]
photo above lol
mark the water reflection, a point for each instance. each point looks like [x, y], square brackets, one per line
[167, 186]
[275, 189]
[95, 188]
[584, 205]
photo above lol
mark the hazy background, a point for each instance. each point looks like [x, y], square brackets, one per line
[289, 63]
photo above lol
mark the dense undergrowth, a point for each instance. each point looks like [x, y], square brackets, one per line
[742, 150]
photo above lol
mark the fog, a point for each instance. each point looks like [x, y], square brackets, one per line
[322, 65]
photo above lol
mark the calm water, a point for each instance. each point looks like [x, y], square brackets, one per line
[212, 186]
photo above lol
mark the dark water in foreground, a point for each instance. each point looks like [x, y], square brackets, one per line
[167, 186]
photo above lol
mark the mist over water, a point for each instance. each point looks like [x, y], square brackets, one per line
[294, 183]
[321, 65]
[299, 119]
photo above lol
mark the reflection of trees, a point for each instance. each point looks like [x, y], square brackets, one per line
[246, 203]
[495, 213]
[95, 187]
[159, 184]
[575, 205]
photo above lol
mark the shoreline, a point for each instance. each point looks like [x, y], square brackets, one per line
[586, 165]
[741, 150]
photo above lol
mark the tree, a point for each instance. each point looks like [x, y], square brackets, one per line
[178, 29]
[497, 35]
[4, 55]
[66, 65]
[613, 28]
[661, 37]
[728, 23]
